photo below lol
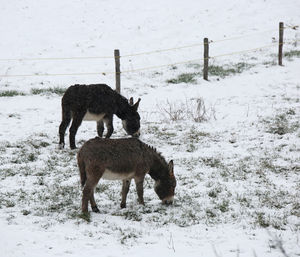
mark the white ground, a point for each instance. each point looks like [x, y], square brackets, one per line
[238, 178]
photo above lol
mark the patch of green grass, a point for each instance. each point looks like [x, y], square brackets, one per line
[162, 133]
[185, 78]
[241, 169]
[128, 235]
[8, 172]
[196, 135]
[56, 198]
[212, 193]
[296, 208]
[10, 204]
[102, 187]
[212, 162]
[270, 63]
[23, 155]
[85, 216]
[191, 148]
[291, 111]
[26, 212]
[11, 93]
[213, 70]
[129, 215]
[243, 200]
[210, 213]
[46, 91]
[227, 70]
[223, 206]
[280, 124]
[39, 144]
[32, 157]
[261, 220]
[291, 54]
[266, 163]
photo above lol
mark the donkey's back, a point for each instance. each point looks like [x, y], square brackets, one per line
[114, 158]
[96, 98]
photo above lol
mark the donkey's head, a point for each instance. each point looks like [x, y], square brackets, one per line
[131, 123]
[165, 187]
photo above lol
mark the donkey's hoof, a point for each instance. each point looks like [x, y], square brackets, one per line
[95, 209]
[123, 205]
[61, 146]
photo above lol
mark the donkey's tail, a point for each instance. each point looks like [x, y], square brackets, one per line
[82, 171]
[66, 119]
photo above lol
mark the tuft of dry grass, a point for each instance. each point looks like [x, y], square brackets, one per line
[192, 109]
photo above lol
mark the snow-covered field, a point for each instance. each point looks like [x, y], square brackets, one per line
[235, 139]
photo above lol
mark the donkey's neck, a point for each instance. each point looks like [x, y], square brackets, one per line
[122, 107]
[158, 167]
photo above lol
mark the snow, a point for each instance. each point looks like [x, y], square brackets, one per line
[238, 179]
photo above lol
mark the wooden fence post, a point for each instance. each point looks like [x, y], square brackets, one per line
[205, 67]
[280, 46]
[118, 71]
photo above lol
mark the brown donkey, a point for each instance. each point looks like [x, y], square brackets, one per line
[123, 159]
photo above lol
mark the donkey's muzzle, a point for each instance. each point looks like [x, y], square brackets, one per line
[136, 134]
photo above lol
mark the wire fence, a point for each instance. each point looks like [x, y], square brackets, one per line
[144, 53]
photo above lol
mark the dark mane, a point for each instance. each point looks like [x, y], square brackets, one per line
[159, 155]
[159, 168]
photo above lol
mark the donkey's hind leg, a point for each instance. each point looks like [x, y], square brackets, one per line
[125, 189]
[66, 119]
[77, 119]
[88, 193]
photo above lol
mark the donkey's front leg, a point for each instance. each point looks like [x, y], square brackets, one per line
[139, 182]
[108, 120]
[100, 128]
[125, 189]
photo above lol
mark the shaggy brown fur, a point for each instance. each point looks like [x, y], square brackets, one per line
[123, 159]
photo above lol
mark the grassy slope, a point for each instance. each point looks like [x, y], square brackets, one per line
[236, 169]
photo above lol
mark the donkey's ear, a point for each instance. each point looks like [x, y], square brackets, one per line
[136, 105]
[131, 101]
[171, 167]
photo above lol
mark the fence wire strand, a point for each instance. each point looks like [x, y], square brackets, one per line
[144, 53]
[140, 69]
[201, 59]
[57, 58]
